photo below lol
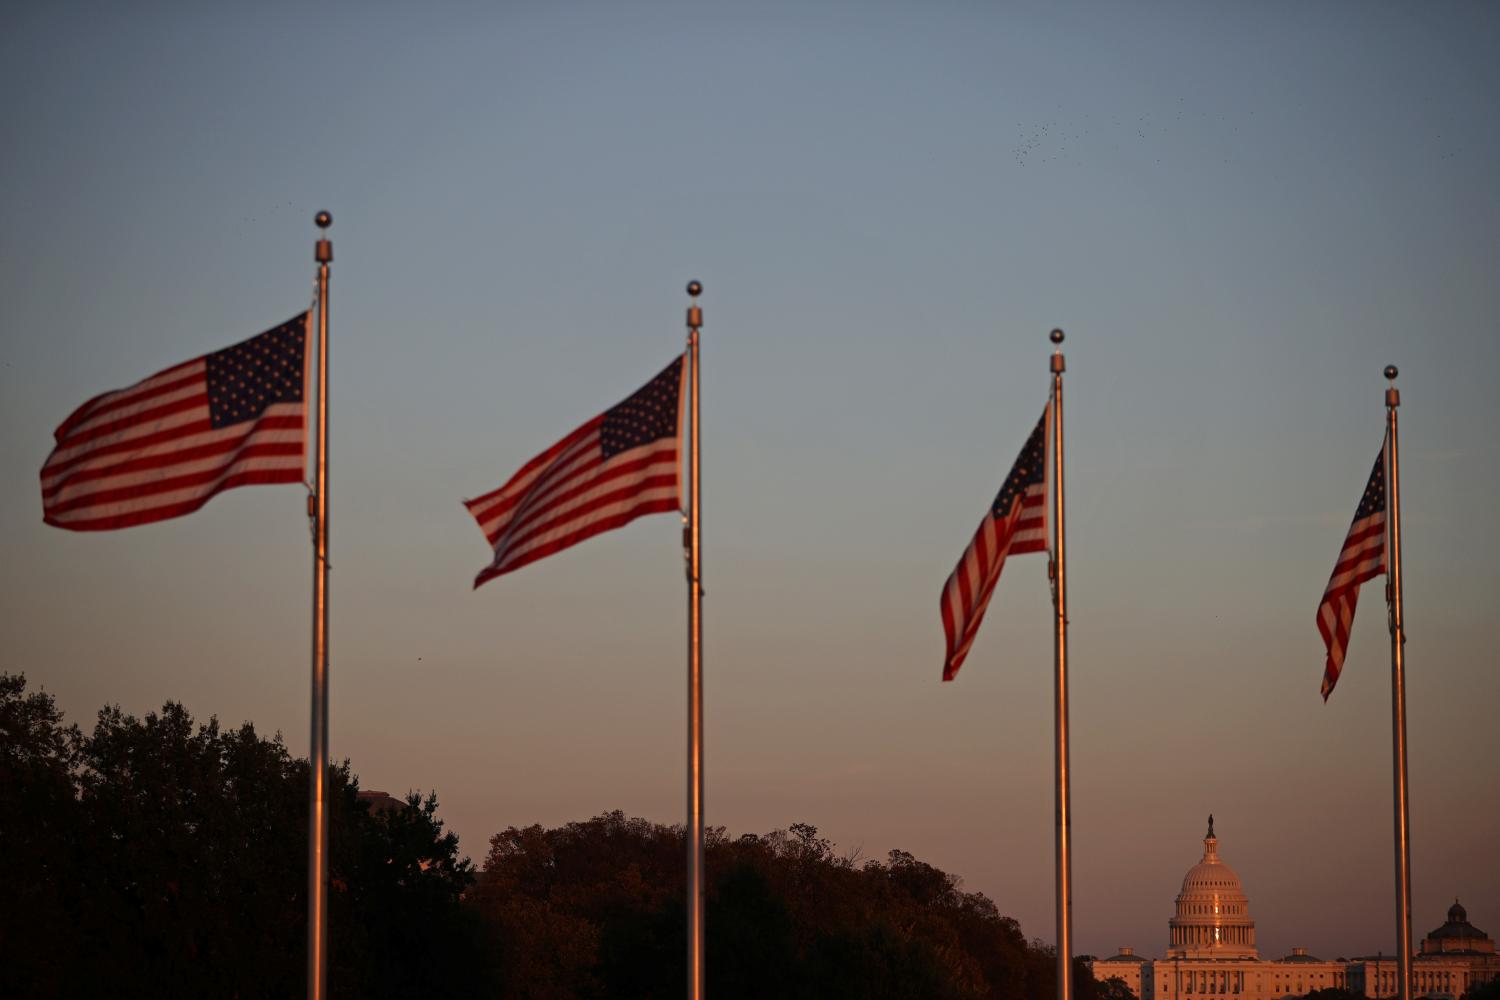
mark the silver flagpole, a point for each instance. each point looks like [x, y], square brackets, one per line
[317, 754]
[695, 666]
[1059, 569]
[1398, 684]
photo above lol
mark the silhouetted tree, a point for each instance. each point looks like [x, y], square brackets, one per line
[1332, 993]
[39, 820]
[157, 858]
[1113, 988]
[595, 909]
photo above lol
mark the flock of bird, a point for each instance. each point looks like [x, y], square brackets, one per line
[1053, 141]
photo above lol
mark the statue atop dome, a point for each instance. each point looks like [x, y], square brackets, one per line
[1210, 824]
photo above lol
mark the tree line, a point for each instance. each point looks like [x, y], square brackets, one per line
[162, 857]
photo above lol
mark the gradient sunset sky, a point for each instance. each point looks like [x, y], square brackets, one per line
[1238, 212]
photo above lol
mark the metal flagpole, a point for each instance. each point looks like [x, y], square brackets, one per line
[1398, 684]
[317, 754]
[695, 665]
[1059, 570]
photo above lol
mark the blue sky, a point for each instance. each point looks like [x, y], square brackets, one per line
[1239, 213]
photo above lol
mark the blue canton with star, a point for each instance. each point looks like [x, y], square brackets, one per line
[245, 379]
[1029, 470]
[1373, 502]
[648, 415]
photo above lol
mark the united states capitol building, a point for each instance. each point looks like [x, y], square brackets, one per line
[1211, 952]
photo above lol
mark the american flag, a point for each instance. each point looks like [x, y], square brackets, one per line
[1362, 558]
[618, 466]
[1016, 523]
[163, 447]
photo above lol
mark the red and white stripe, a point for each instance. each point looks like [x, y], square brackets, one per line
[149, 452]
[967, 593]
[569, 493]
[1030, 534]
[1362, 558]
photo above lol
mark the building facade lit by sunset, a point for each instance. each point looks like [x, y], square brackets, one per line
[1211, 952]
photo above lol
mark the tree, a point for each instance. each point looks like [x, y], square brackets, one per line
[177, 867]
[1333, 993]
[161, 857]
[1113, 988]
[38, 829]
[595, 909]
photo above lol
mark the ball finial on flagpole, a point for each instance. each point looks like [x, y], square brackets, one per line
[1391, 372]
[694, 313]
[1056, 336]
[323, 252]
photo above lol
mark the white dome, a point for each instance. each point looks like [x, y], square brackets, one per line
[1213, 915]
[1212, 875]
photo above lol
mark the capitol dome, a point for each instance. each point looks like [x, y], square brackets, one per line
[1213, 916]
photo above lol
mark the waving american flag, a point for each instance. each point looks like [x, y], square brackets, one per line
[1015, 523]
[1362, 558]
[616, 467]
[167, 445]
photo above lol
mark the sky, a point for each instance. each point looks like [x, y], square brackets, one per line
[1240, 213]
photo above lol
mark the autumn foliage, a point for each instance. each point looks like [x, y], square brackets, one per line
[160, 857]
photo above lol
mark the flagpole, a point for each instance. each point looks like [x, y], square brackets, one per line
[1060, 605]
[695, 665]
[317, 754]
[1398, 686]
